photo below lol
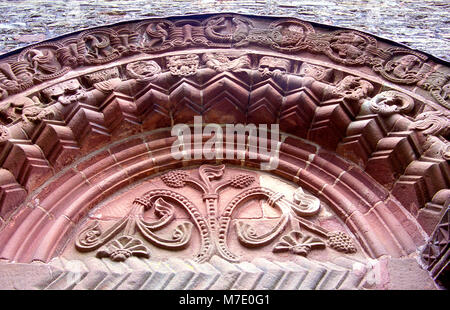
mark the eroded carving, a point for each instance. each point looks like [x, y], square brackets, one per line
[43, 61]
[390, 102]
[432, 123]
[66, 93]
[227, 62]
[349, 47]
[102, 75]
[14, 78]
[403, 66]
[183, 65]
[317, 72]
[273, 67]
[143, 70]
[98, 46]
[353, 88]
[48, 61]
[298, 243]
[438, 84]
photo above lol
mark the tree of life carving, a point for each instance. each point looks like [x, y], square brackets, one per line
[119, 242]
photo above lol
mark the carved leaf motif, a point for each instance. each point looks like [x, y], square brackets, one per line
[209, 172]
[122, 248]
[180, 236]
[90, 236]
[297, 243]
[305, 204]
[248, 236]
[182, 232]
[163, 208]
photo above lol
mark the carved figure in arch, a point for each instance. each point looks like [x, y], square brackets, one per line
[14, 78]
[403, 66]
[215, 27]
[226, 29]
[8, 80]
[349, 47]
[227, 62]
[12, 111]
[353, 88]
[283, 34]
[436, 147]
[38, 113]
[438, 84]
[290, 35]
[273, 66]
[98, 46]
[390, 102]
[66, 93]
[432, 123]
[72, 53]
[183, 65]
[156, 34]
[43, 61]
[187, 32]
[125, 42]
[28, 110]
[317, 72]
[435, 125]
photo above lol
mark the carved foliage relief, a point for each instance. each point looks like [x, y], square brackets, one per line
[213, 210]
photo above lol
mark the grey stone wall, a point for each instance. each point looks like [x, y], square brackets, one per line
[420, 24]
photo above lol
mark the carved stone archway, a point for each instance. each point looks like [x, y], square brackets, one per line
[88, 176]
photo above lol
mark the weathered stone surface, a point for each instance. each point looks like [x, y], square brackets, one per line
[92, 187]
[406, 274]
[418, 24]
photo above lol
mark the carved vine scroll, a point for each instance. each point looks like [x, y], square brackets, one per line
[120, 241]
